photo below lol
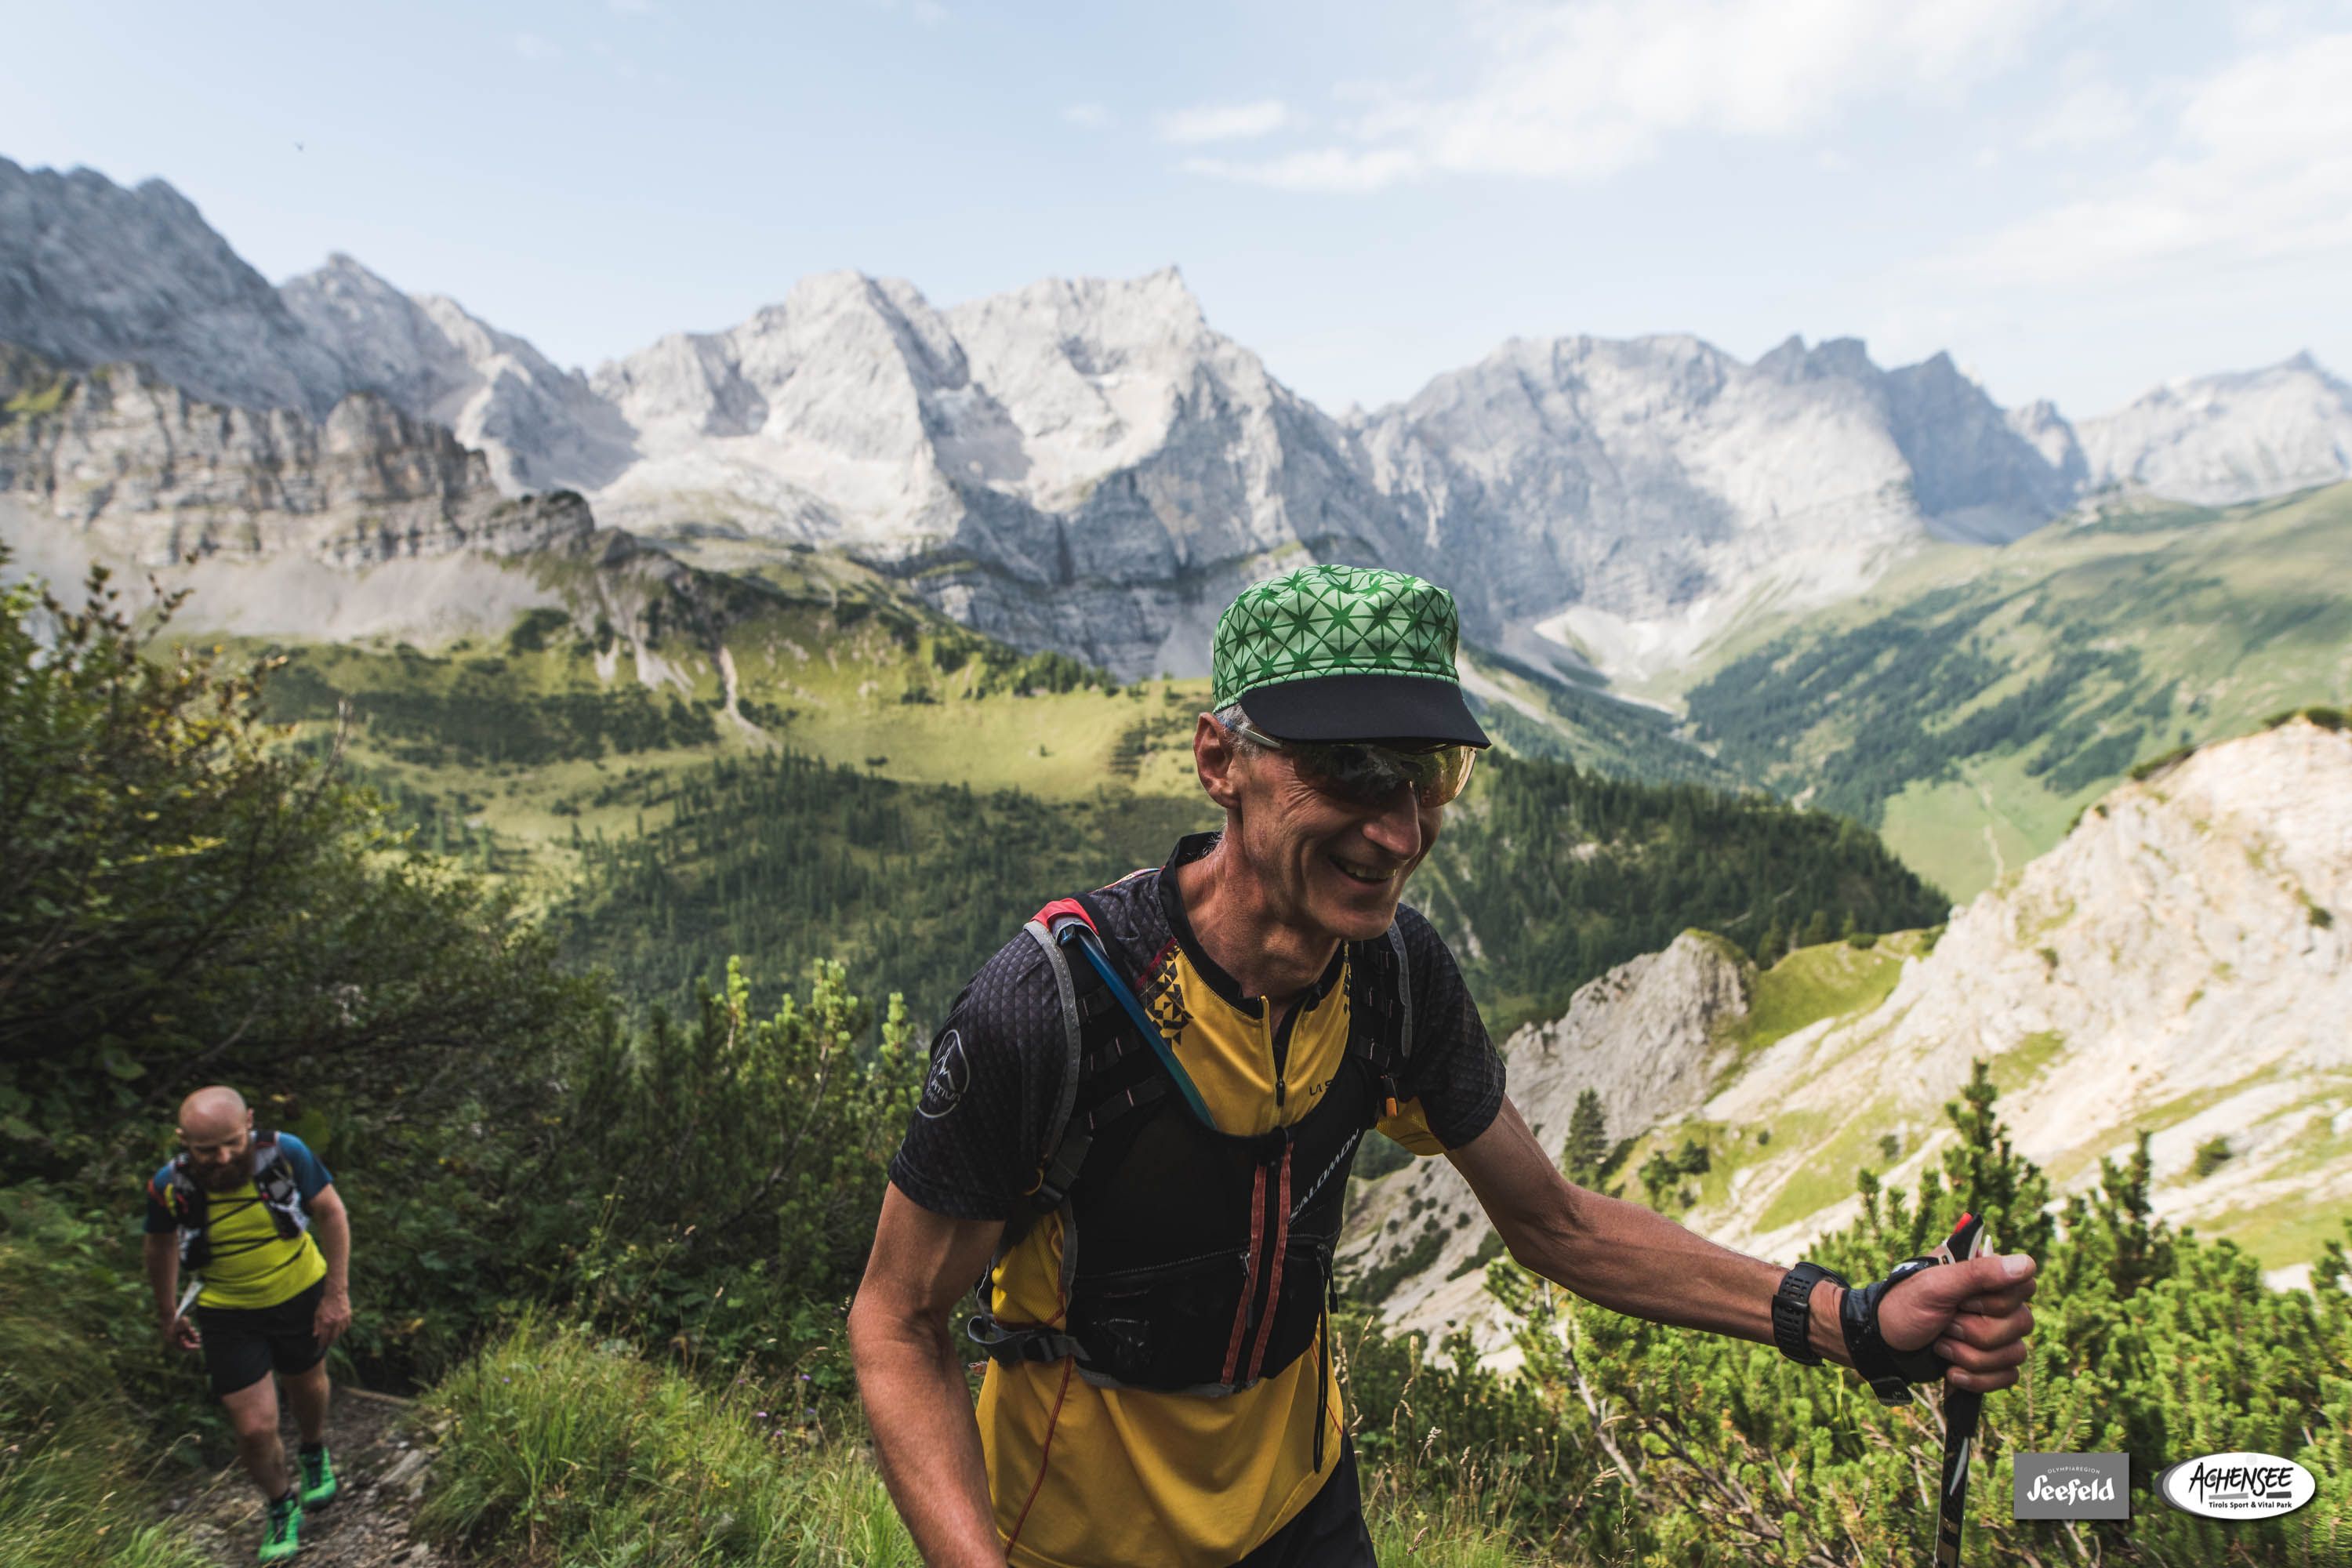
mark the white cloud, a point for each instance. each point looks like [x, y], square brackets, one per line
[2090, 114]
[1223, 122]
[536, 48]
[1087, 116]
[1582, 91]
[630, 7]
[2261, 169]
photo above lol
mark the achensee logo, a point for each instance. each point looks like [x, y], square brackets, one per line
[2236, 1486]
[2073, 1486]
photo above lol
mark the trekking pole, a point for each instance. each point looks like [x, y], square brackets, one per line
[1962, 1408]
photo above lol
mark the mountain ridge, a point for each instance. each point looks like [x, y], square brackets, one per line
[1087, 465]
[2178, 965]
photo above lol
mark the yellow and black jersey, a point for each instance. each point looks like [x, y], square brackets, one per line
[1081, 1475]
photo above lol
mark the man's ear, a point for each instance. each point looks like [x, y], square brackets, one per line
[1217, 757]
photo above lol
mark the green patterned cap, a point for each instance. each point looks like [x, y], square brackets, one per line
[1343, 653]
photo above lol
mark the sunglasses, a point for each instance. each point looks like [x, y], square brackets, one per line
[1362, 774]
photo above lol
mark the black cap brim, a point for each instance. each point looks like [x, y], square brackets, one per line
[1364, 707]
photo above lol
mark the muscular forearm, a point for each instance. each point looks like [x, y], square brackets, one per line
[1631, 1259]
[333, 1229]
[925, 1435]
[163, 1260]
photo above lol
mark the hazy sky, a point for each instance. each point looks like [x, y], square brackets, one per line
[2076, 200]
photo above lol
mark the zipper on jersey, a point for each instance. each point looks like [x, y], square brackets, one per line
[1277, 1047]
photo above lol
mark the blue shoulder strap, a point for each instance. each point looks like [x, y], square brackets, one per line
[1075, 932]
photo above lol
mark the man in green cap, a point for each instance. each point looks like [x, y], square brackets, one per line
[1139, 1119]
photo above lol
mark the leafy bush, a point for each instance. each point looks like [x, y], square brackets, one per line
[741, 1162]
[1629, 1441]
[189, 901]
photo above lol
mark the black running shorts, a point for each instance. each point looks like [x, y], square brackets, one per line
[245, 1344]
[1328, 1533]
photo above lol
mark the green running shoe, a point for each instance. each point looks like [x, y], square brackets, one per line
[281, 1537]
[319, 1483]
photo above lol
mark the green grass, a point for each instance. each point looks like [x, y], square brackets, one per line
[559, 1450]
[562, 1450]
[76, 1453]
[74, 1497]
[1831, 980]
[1975, 700]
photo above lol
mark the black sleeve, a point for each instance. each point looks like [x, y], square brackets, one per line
[973, 1145]
[1455, 1071]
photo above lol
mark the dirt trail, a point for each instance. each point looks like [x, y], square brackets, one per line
[382, 1467]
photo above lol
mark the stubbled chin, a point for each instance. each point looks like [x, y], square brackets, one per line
[1361, 904]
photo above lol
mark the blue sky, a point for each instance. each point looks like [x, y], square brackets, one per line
[2077, 200]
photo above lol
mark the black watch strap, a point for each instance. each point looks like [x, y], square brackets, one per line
[1889, 1372]
[1792, 1311]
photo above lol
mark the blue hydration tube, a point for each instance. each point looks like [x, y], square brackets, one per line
[1120, 988]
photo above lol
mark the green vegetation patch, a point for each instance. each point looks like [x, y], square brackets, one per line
[1834, 980]
[2036, 674]
[1548, 875]
[561, 1448]
[530, 708]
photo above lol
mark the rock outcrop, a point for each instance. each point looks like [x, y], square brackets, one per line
[369, 525]
[2180, 964]
[152, 476]
[90, 272]
[540, 428]
[1649, 1037]
[2220, 439]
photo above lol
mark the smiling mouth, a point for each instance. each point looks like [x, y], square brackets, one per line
[1365, 876]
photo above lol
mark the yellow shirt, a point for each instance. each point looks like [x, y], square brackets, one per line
[1084, 1477]
[253, 1266]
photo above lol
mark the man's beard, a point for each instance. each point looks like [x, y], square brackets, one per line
[232, 1174]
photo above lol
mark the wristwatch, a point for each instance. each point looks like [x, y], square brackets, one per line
[1792, 1311]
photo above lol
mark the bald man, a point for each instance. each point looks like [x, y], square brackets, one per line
[256, 1217]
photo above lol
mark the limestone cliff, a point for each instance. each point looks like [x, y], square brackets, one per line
[2180, 964]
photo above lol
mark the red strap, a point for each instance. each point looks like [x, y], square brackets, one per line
[1276, 1248]
[1060, 907]
[1249, 1278]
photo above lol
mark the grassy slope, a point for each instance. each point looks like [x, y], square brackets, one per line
[517, 741]
[1832, 980]
[1975, 700]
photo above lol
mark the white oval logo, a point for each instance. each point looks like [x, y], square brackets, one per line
[2236, 1486]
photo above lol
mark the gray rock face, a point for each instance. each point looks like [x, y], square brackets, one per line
[2220, 439]
[1079, 465]
[152, 476]
[90, 272]
[369, 525]
[540, 426]
[1086, 465]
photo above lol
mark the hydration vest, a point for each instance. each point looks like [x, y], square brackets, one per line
[1193, 1262]
[190, 1206]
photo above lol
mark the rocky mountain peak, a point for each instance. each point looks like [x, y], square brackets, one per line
[2228, 437]
[90, 272]
[1626, 500]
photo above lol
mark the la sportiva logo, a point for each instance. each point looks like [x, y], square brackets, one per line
[2236, 1486]
[950, 1076]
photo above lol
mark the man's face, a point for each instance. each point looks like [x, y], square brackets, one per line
[219, 1158]
[1326, 865]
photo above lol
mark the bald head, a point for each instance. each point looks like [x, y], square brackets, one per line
[213, 1115]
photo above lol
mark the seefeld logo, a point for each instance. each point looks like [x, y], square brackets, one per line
[2236, 1486]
